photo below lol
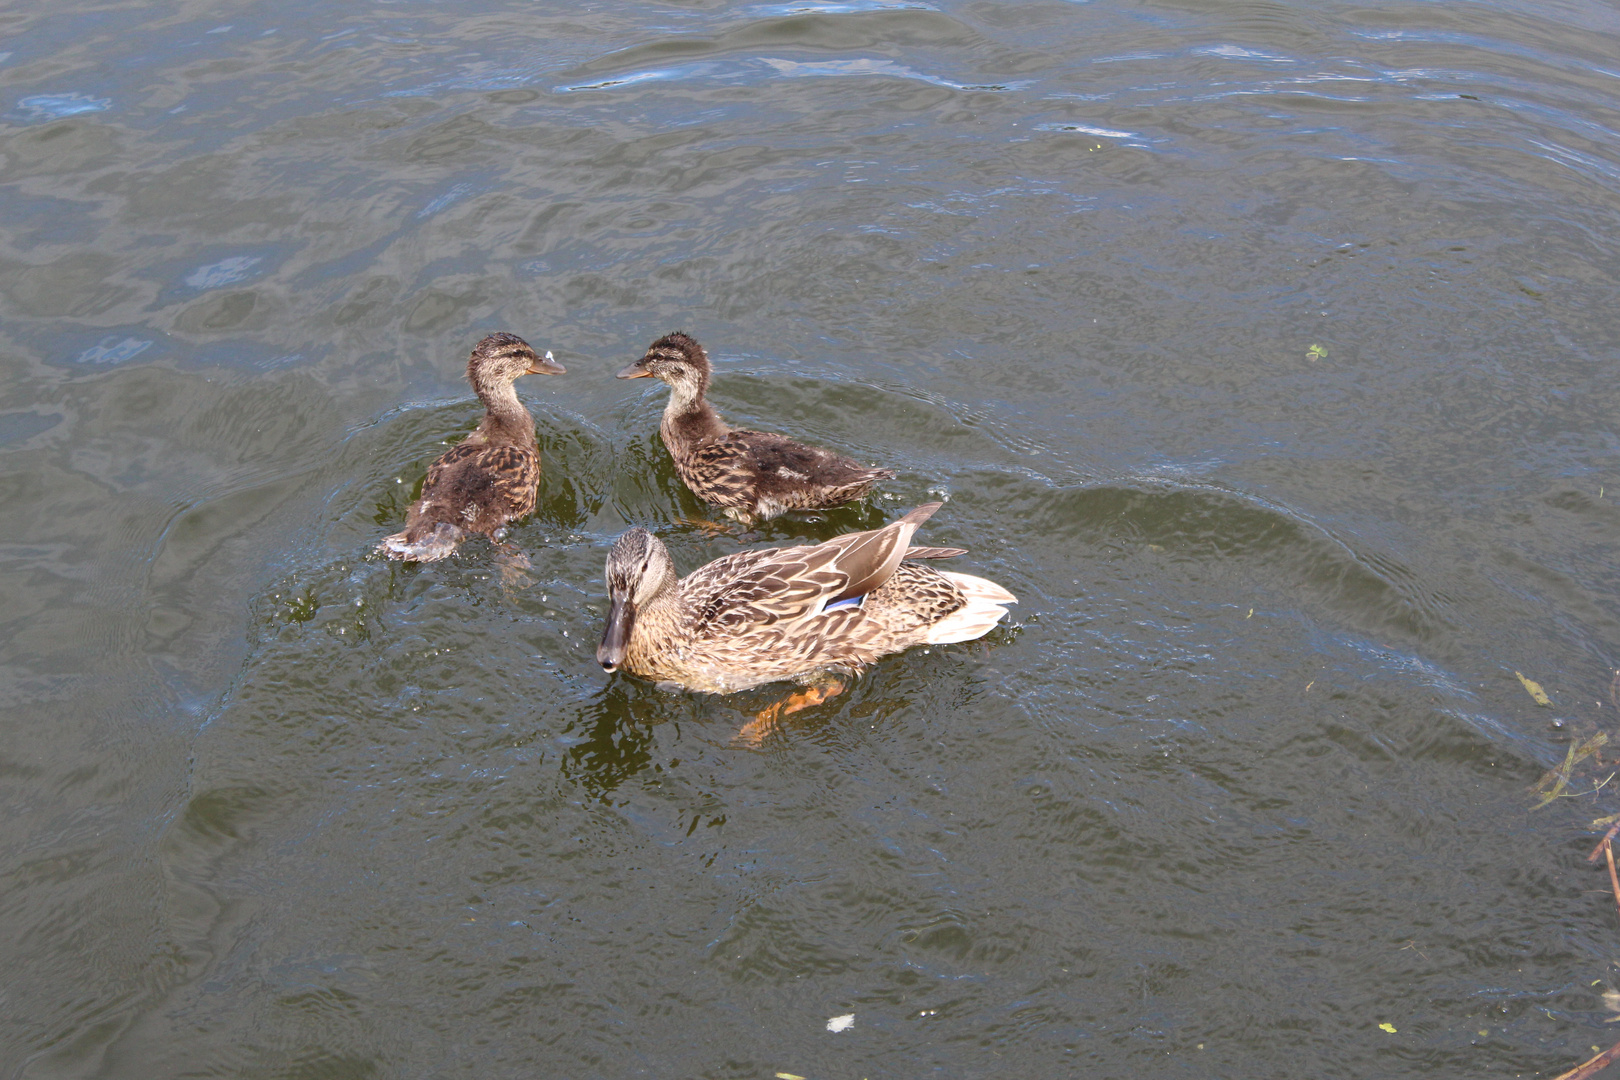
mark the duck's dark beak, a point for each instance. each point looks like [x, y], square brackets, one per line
[616, 638]
[634, 371]
[546, 365]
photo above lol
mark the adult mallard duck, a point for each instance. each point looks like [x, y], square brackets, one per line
[785, 613]
[750, 474]
[490, 477]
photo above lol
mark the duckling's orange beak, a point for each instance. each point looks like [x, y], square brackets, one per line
[545, 365]
[634, 371]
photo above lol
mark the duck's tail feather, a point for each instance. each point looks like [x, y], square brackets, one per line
[426, 547]
[857, 484]
[984, 608]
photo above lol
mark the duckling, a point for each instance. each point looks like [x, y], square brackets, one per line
[490, 477]
[750, 474]
[787, 613]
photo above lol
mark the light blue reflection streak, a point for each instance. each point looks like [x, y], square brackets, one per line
[56, 106]
[769, 66]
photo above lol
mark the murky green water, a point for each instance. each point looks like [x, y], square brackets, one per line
[1267, 351]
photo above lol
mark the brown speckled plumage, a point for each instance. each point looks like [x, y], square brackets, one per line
[751, 474]
[781, 613]
[490, 477]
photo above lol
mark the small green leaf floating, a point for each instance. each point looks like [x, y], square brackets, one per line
[1316, 352]
[1534, 689]
[1387, 1026]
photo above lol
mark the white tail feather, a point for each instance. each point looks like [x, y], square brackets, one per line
[984, 608]
[429, 548]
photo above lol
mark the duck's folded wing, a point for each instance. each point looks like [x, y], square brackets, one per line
[486, 473]
[453, 461]
[754, 589]
[934, 553]
[780, 462]
[723, 473]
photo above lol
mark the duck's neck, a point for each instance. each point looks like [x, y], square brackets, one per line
[505, 417]
[659, 622]
[689, 418]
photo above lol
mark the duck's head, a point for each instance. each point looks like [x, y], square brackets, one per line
[675, 358]
[505, 358]
[638, 570]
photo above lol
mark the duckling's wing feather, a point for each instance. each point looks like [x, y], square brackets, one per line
[514, 473]
[747, 468]
[498, 477]
[723, 473]
[781, 465]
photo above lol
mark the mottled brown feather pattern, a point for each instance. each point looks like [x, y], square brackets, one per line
[754, 473]
[759, 616]
[934, 552]
[758, 588]
[478, 488]
[491, 477]
[757, 471]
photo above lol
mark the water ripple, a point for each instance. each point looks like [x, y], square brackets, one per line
[768, 66]
[808, 7]
[224, 272]
[57, 106]
[113, 352]
[456, 193]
